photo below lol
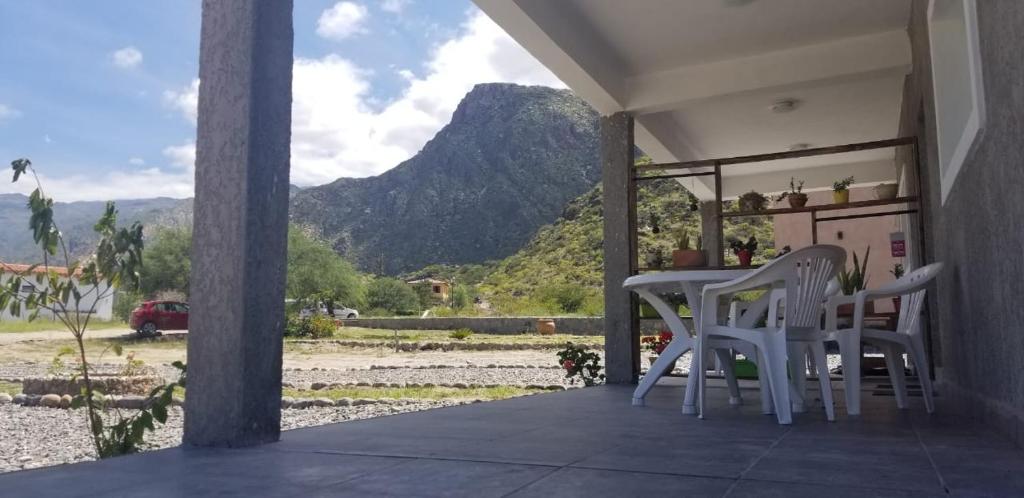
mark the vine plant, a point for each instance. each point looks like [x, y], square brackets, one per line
[72, 298]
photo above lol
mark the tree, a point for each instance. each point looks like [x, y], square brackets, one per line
[168, 262]
[392, 295]
[317, 274]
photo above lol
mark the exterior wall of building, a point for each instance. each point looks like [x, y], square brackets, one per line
[979, 229]
[857, 235]
[104, 307]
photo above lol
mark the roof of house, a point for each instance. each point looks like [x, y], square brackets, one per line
[39, 269]
[428, 281]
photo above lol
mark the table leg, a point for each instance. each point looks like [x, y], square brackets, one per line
[681, 343]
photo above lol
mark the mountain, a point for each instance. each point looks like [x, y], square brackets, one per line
[76, 219]
[507, 164]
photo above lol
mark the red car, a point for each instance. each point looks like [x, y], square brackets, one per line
[152, 316]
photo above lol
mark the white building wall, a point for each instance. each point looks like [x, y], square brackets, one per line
[104, 307]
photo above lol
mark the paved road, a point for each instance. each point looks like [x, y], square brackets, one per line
[60, 334]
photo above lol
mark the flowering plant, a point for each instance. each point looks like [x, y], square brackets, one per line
[656, 343]
[578, 362]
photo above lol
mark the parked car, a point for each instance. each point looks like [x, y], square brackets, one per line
[153, 316]
[339, 312]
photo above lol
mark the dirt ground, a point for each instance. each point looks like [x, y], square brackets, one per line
[42, 347]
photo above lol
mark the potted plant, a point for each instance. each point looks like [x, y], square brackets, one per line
[853, 281]
[752, 201]
[655, 258]
[897, 271]
[886, 191]
[683, 256]
[744, 250]
[841, 190]
[795, 194]
[656, 344]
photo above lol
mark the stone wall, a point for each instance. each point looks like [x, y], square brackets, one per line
[977, 231]
[498, 325]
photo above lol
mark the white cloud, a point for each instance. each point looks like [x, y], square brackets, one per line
[8, 113]
[341, 21]
[336, 133]
[394, 6]
[127, 57]
[137, 161]
[185, 100]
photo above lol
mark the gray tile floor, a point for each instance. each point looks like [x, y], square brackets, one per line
[587, 442]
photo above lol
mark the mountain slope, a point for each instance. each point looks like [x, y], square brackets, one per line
[76, 219]
[507, 164]
[569, 251]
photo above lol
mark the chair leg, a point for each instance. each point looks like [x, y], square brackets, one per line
[767, 406]
[821, 362]
[729, 369]
[920, 359]
[702, 373]
[849, 349]
[797, 352]
[775, 355]
[894, 364]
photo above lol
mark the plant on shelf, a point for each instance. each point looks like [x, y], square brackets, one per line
[744, 250]
[898, 272]
[841, 190]
[886, 191]
[655, 258]
[72, 295]
[752, 201]
[855, 280]
[795, 194]
[685, 256]
[580, 364]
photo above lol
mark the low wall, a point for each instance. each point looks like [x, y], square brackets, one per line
[499, 325]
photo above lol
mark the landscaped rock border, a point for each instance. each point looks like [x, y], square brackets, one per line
[440, 346]
[52, 400]
[319, 386]
[138, 384]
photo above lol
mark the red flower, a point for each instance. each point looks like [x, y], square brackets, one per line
[568, 364]
[665, 336]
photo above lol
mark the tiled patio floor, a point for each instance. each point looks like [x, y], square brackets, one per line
[587, 442]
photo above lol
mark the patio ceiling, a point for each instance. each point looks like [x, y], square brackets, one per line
[701, 77]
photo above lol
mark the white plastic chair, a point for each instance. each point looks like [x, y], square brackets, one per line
[911, 289]
[804, 275]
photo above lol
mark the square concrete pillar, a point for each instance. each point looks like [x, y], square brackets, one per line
[239, 241]
[621, 322]
[710, 230]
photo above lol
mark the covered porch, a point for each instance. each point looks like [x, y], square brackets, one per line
[583, 442]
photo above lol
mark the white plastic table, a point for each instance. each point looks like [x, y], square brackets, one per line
[653, 287]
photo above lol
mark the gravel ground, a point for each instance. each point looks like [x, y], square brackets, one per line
[503, 376]
[39, 437]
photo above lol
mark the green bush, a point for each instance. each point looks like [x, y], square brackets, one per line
[461, 334]
[124, 303]
[568, 298]
[393, 295]
[314, 327]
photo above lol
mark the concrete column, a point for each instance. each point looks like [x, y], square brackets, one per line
[709, 232]
[621, 325]
[240, 226]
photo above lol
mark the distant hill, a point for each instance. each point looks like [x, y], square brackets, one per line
[76, 219]
[507, 163]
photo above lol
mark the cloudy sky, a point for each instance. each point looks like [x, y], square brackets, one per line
[101, 95]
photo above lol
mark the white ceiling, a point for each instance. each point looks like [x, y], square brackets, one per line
[655, 35]
[700, 75]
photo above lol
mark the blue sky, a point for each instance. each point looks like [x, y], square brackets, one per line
[101, 94]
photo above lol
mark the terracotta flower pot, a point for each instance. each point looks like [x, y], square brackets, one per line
[847, 309]
[841, 197]
[683, 258]
[797, 200]
[744, 257]
[545, 326]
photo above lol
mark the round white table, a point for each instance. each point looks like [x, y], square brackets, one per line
[653, 287]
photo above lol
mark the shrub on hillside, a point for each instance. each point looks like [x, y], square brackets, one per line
[568, 298]
[461, 334]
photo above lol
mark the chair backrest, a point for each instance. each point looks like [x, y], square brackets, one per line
[811, 270]
[912, 288]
